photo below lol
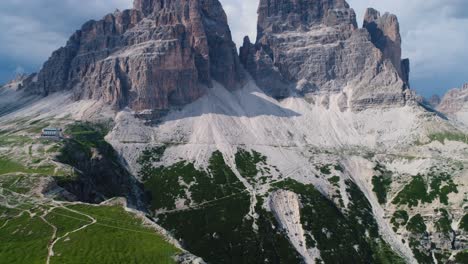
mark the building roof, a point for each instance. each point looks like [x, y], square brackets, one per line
[52, 129]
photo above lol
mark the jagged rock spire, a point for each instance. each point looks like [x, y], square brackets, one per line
[385, 34]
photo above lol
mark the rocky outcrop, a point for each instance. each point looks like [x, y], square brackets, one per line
[98, 173]
[15, 83]
[309, 47]
[157, 55]
[454, 100]
[385, 34]
[286, 207]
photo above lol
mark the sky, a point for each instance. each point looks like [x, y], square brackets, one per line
[434, 33]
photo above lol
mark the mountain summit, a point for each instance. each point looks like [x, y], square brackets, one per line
[315, 47]
[158, 55]
[163, 54]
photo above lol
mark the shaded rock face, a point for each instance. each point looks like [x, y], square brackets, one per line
[100, 175]
[385, 34]
[157, 55]
[454, 100]
[310, 47]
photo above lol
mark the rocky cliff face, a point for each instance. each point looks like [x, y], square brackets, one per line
[157, 55]
[385, 34]
[454, 100]
[315, 47]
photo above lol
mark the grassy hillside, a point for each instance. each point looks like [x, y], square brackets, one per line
[115, 237]
[37, 229]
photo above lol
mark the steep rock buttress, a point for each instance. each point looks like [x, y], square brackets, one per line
[157, 55]
[310, 47]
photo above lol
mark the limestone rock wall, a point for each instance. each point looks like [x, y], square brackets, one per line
[157, 55]
[314, 47]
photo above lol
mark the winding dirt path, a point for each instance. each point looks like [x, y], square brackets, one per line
[55, 240]
[50, 252]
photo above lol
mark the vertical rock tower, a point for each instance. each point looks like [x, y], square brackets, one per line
[159, 54]
[314, 47]
[385, 34]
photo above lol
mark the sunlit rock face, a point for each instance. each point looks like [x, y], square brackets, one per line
[157, 55]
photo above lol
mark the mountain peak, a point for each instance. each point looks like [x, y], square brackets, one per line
[160, 54]
[281, 15]
[314, 47]
[385, 34]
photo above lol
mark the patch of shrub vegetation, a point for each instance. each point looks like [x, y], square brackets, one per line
[246, 164]
[337, 234]
[151, 155]
[442, 256]
[217, 227]
[412, 193]
[382, 183]
[326, 169]
[443, 225]
[416, 225]
[462, 257]
[339, 168]
[438, 189]
[450, 136]
[422, 257]
[400, 218]
[167, 185]
[464, 223]
[417, 190]
[221, 233]
[335, 181]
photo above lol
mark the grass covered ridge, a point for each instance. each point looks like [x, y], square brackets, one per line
[117, 237]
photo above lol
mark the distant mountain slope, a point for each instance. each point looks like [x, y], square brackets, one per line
[455, 104]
